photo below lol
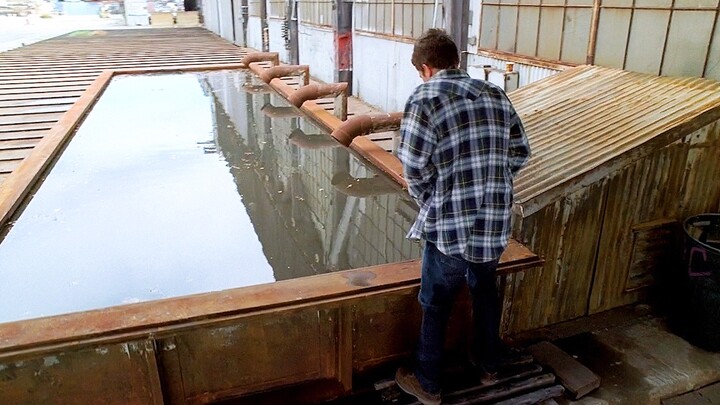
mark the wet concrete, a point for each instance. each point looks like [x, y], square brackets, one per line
[168, 188]
[640, 363]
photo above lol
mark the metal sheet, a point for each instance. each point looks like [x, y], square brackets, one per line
[587, 121]
[685, 53]
[673, 183]
[612, 34]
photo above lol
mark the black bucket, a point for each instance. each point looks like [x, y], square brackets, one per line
[702, 245]
[702, 257]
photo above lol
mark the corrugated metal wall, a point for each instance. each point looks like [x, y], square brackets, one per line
[565, 233]
[674, 183]
[589, 239]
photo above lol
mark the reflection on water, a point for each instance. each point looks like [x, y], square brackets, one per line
[179, 184]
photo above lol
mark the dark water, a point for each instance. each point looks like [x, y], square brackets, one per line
[179, 184]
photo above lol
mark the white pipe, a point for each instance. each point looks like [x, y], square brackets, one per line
[435, 13]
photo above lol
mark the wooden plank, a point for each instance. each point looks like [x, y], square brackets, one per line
[15, 187]
[711, 393]
[28, 119]
[41, 109]
[37, 102]
[48, 79]
[41, 96]
[14, 154]
[44, 126]
[535, 397]
[22, 86]
[576, 378]
[44, 90]
[690, 398]
[483, 394]
[18, 143]
[8, 166]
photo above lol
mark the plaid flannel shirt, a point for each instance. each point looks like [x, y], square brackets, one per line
[461, 145]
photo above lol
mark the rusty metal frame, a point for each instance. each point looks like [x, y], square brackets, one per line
[151, 343]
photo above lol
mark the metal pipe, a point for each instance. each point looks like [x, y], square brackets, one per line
[286, 70]
[256, 88]
[366, 124]
[280, 112]
[304, 141]
[261, 57]
[362, 187]
[316, 91]
[592, 42]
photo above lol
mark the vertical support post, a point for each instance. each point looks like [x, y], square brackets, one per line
[592, 42]
[340, 105]
[292, 18]
[264, 26]
[343, 42]
[456, 24]
[345, 347]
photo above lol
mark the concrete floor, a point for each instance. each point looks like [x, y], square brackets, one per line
[20, 31]
[640, 361]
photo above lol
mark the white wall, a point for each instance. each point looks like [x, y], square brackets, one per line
[277, 42]
[238, 23]
[317, 49]
[382, 73]
[225, 13]
[254, 33]
[211, 19]
[526, 73]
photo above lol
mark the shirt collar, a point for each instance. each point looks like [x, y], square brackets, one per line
[449, 74]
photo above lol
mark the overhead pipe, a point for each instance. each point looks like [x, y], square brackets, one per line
[362, 187]
[299, 138]
[280, 112]
[286, 70]
[316, 91]
[366, 124]
[261, 57]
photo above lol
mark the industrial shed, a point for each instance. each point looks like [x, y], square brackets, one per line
[619, 160]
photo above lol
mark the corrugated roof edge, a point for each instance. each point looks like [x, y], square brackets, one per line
[687, 104]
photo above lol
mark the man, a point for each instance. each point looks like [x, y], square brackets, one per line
[461, 144]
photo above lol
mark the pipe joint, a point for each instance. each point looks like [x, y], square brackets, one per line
[261, 57]
[366, 124]
[316, 91]
[287, 70]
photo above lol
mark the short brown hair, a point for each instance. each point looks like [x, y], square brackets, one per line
[436, 49]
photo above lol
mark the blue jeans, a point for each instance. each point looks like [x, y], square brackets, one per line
[442, 277]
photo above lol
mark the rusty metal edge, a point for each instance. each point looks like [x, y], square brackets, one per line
[164, 317]
[534, 203]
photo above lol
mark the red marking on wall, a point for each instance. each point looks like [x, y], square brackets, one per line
[343, 46]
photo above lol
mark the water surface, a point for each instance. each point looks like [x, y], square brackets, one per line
[179, 184]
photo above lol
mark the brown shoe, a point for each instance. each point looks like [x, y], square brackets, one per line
[487, 378]
[407, 381]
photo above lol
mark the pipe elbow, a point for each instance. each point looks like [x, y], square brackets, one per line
[302, 140]
[280, 112]
[366, 124]
[286, 70]
[315, 91]
[256, 88]
[261, 57]
[362, 187]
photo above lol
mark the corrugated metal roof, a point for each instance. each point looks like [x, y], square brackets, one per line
[587, 121]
